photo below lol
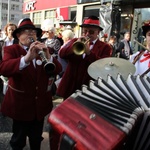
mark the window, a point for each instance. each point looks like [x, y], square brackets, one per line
[94, 10]
[4, 17]
[4, 6]
[51, 14]
[14, 17]
[15, 0]
[86, 1]
[14, 7]
[37, 18]
[73, 11]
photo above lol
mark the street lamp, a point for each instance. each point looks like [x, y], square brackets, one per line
[8, 15]
[0, 14]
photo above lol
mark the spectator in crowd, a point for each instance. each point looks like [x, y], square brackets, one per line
[28, 98]
[7, 41]
[1, 35]
[124, 48]
[67, 36]
[141, 58]
[76, 71]
[104, 38]
[53, 41]
[112, 42]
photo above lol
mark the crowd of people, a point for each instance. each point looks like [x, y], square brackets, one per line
[26, 54]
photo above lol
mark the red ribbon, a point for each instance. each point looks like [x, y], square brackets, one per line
[147, 56]
[92, 22]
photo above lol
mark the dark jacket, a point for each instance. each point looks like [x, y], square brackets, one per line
[124, 49]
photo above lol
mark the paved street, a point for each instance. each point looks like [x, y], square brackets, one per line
[6, 128]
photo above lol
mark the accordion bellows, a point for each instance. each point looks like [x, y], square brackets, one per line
[106, 115]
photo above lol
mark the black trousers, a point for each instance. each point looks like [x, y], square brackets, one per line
[22, 129]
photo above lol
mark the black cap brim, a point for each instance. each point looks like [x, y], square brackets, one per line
[39, 31]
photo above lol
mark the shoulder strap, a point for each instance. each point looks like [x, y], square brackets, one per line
[137, 57]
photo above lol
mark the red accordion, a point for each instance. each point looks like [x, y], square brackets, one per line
[106, 115]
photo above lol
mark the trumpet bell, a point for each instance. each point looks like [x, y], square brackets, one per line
[78, 48]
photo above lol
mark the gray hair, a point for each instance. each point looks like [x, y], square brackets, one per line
[68, 34]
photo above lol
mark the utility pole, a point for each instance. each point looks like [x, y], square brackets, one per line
[8, 15]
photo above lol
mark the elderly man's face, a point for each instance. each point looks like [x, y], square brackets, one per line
[25, 35]
[90, 32]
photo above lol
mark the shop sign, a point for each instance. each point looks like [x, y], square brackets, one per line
[30, 6]
[62, 13]
[135, 29]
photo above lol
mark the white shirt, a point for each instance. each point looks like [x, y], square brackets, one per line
[141, 65]
[91, 46]
[8, 41]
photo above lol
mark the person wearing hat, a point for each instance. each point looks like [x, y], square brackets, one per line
[52, 41]
[76, 71]
[141, 59]
[28, 98]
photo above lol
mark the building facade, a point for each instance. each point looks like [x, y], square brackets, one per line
[131, 13]
[10, 11]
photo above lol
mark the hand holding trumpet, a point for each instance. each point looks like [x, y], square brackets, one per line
[81, 46]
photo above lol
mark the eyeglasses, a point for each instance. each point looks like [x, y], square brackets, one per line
[89, 31]
[30, 31]
[47, 32]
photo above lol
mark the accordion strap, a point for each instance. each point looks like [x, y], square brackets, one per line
[147, 71]
[137, 57]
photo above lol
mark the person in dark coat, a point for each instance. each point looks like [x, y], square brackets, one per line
[28, 98]
[124, 49]
[76, 72]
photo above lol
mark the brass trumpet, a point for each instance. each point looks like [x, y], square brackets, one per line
[78, 47]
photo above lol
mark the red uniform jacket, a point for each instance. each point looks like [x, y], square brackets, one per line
[76, 72]
[27, 97]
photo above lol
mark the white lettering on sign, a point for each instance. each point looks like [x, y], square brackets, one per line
[30, 6]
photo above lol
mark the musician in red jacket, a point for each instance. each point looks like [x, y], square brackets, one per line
[28, 98]
[76, 72]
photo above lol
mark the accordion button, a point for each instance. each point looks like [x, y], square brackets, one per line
[92, 116]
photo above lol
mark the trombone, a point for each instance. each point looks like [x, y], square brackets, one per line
[78, 47]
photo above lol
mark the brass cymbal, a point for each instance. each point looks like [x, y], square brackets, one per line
[110, 66]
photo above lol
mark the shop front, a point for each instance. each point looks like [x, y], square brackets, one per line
[120, 16]
[124, 15]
